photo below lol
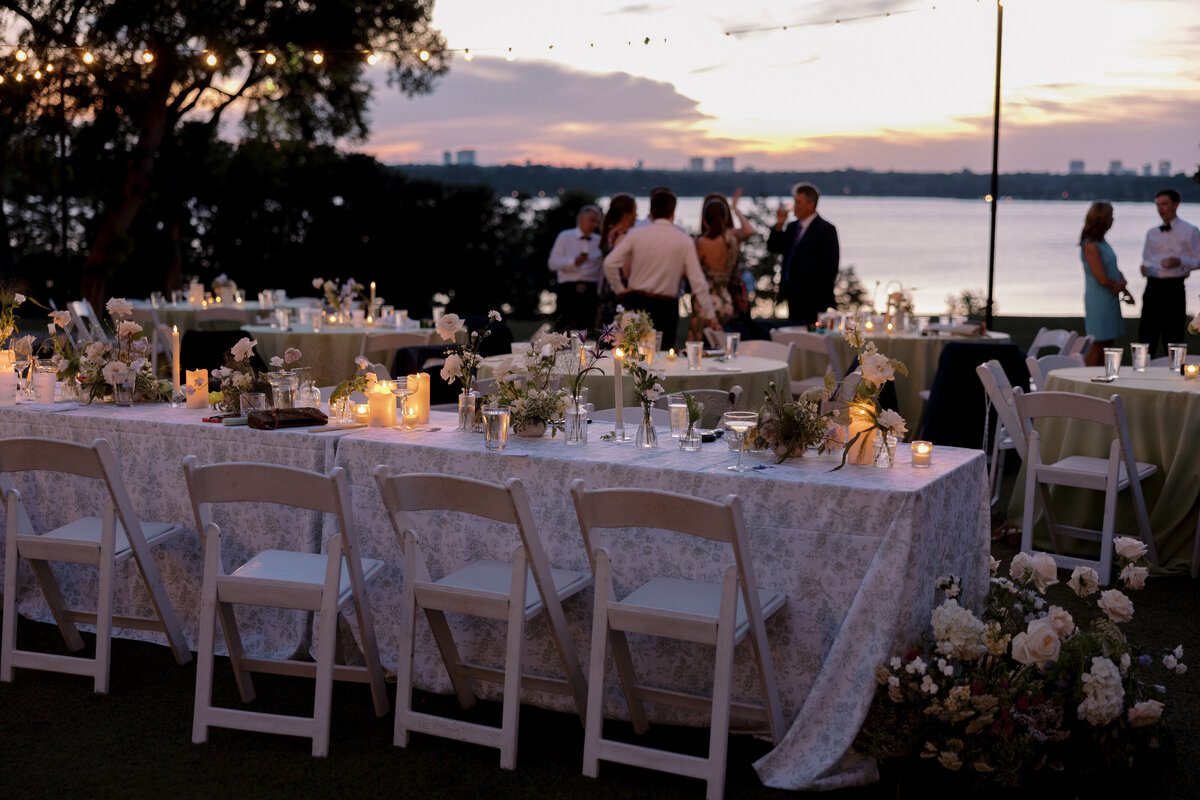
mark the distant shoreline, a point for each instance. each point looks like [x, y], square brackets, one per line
[538, 180]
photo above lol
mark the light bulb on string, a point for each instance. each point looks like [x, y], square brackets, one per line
[318, 58]
[270, 59]
[1, 79]
[147, 56]
[424, 55]
[20, 77]
[372, 58]
[211, 60]
[21, 55]
[88, 58]
[37, 74]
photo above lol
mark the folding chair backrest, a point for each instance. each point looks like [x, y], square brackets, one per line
[1080, 346]
[1000, 393]
[632, 415]
[1058, 338]
[1037, 405]
[826, 344]
[1040, 367]
[762, 348]
[86, 325]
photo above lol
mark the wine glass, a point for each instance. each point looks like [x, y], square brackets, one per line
[740, 422]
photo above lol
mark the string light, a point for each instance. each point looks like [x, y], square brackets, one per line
[509, 55]
[468, 55]
[317, 58]
[372, 58]
[270, 59]
[49, 68]
[147, 56]
[37, 74]
[424, 55]
[211, 60]
[88, 58]
[21, 56]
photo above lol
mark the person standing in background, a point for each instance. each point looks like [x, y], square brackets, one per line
[1104, 284]
[577, 260]
[810, 251]
[620, 217]
[1172, 251]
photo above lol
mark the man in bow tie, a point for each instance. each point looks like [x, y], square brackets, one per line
[809, 247]
[1172, 251]
[576, 259]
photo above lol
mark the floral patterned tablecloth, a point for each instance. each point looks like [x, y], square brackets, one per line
[856, 551]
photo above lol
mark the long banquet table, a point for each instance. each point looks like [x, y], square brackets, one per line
[1162, 411]
[330, 351]
[856, 551]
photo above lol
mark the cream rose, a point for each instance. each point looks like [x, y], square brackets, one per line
[877, 369]
[1019, 566]
[1134, 576]
[1062, 622]
[1129, 548]
[1038, 644]
[1146, 712]
[1115, 605]
[1043, 571]
[449, 325]
[1084, 581]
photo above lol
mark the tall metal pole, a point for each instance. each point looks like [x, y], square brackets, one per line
[995, 187]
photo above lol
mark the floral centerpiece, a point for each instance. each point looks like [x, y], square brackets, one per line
[238, 376]
[635, 328]
[690, 440]
[363, 381]
[462, 363]
[1026, 685]
[533, 404]
[790, 426]
[64, 354]
[863, 415]
[120, 367]
[646, 389]
[587, 362]
[9, 301]
[339, 296]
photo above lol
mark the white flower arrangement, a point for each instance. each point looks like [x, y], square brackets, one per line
[462, 363]
[103, 366]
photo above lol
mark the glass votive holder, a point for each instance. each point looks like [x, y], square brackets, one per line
[1177, 354]
[495, 428]
[695, 351]
[253, 401]
[45, 373]
[1112, 361]
[1140, 354]
[922, 454]
[1191, 372]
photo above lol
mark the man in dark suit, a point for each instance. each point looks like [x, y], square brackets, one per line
[809, 246]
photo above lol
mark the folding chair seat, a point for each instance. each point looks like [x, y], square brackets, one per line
[314, 582]
[1007, 433]
[718, 614]
[1109, 475]
[516, 591]
[1039, 368]
[112, 538]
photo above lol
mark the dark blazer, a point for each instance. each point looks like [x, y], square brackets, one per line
[809, 268]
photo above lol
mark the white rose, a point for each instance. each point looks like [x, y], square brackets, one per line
[1061, 620]
[291, 355]
[318, 283]
[892, 422]
[449, 325]
[1084, 581]
[119, 307]
[1134, 576]
[242, 350]
[18, 298]
[1129, 548]
[127, 329]
[452, 368]
[1043, 571]
[1146, 712]
[1038, 644]
[494, 315]
[1019, 566]
[1116, 606]
[877, 369]
[276, 361]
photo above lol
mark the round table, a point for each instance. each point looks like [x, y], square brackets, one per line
[184, 315]
[751, 373]
[919, 353]
[1162, 412]
[330, 351]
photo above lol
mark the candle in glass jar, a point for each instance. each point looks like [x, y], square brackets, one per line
[922, 454]
[418, 399]
[671, 354]
[362, 413]
[8, 387]
[1191, 372]
[197, 388]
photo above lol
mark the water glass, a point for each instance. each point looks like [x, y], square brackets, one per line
[1112, 361]
[44, 376]
[658, 341]
[576, 424]
[156, 299]
[732, 340]
[253, 401]
[495, 428]
[677, 407]
[437, 312]
[1140, 353]
[695, 351]
[1178, 354]
[283, 388]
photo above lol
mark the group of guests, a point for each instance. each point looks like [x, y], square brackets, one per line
[1171, 252]
[640, 264]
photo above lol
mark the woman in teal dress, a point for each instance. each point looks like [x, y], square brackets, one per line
[1103, 283]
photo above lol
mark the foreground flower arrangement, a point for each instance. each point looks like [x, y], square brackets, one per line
[531, 401]
[120, 367]
[1024, 686]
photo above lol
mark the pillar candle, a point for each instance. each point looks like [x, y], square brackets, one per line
[371, 306]
[174, 362]
[381, 407]
[197, 388]
[418, 400]
[8, 387]
[43, 387]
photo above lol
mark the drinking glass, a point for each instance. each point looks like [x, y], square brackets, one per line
[740, 422]
[283, 387]
[495, 428]
[437, 312]
[1178, 353]
[156, 299]
[731, 345]
[1112, 361]
[44, 375]
[1140, 353]
[253, 401]
[695, 351]
[658, 340]
[677, 407]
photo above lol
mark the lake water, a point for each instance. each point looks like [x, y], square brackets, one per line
[936, 247]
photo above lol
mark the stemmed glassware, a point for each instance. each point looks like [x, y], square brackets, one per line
[740, 422]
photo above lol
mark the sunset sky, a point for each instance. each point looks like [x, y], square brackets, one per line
[1097, 80]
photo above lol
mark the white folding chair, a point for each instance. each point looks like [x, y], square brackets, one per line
[1080, 346]
[106, 541]
[516, 591]
[632, 415]
[1109, 475]
[720, 614]
[1058, 338]
[85, 324]
[1039, 368]
[821, 343]
[716, 403]
[714, 338]
[158, 334]
[1008, 434]
[314, 582]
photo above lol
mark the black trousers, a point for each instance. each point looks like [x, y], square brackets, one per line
[1164, 314]
[663, 313]
[576, 305]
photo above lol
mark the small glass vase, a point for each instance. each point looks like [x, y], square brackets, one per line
[690, 440]
[575, 424]
[283, 388]
[123, 394]
[466, 410]
[646, 435]
[885, 451]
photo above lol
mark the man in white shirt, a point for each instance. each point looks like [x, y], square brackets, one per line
[577, 259]
[659, 255]
[1172, 251]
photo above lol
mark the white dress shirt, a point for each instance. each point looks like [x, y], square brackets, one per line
[659, 255]
[1182, 242]
[567, 247]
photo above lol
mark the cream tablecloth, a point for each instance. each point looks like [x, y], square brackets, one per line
[1162, 411]
[856, 552]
